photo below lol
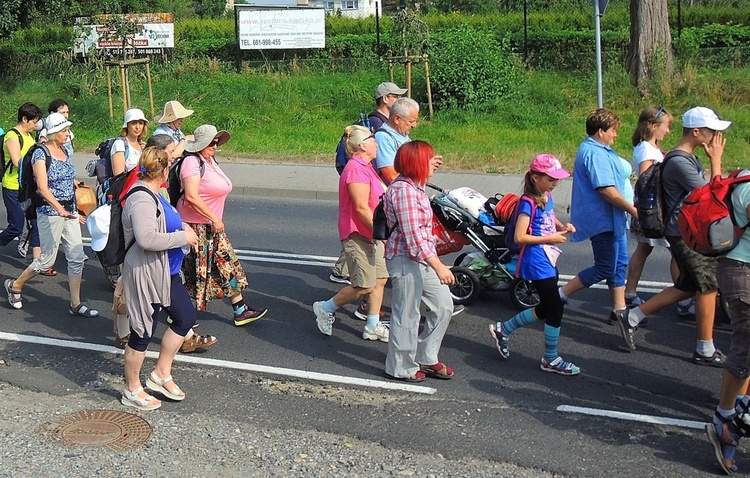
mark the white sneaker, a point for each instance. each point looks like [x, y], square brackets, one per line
[634, 301]
[380, 332]
[686, 307]
[323, 318]
[23, 244]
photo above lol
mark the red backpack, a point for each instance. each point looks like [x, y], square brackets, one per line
[706, 220]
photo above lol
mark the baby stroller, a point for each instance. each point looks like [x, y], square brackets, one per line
[493, 266]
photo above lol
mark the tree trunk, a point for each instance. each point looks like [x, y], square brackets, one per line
[650, 41]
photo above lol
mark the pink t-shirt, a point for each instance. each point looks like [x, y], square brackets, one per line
[357, 170]
[213, 188]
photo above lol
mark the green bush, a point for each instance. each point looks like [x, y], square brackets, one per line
[471, 70]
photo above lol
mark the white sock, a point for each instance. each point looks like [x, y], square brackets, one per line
[705, 347]
[635, 316]
[562, 295]
[631, 295]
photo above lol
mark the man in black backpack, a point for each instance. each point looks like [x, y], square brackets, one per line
[683, 172]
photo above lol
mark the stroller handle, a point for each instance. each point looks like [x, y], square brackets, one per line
[436, 188]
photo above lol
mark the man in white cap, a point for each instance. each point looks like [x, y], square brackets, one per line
[170, 121]
[682, 172]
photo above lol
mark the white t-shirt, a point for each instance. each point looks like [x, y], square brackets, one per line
[645, 151]
[133, 156]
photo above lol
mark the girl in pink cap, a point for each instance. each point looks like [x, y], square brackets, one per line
[537, 232]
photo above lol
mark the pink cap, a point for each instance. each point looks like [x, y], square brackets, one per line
[548, 164]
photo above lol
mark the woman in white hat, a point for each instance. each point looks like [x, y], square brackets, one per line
[170, 121]
[211, 269]
[57, 219]
[126, 153]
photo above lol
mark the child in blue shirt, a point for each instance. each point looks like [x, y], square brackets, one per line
[537, 232]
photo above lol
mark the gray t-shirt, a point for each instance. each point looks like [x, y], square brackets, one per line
[681, 174]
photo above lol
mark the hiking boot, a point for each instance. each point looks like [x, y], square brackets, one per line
[626, 330]
[724, 437]
[380, 332]
[248, 315]
[715, 360]
[686, 308]
[501, 340]
[323, 319]
[559, 366]
[339, 279]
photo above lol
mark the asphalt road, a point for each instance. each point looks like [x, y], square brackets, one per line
[505, 410]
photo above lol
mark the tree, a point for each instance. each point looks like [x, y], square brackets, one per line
[650, 49]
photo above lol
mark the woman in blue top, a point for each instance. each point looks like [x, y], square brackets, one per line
[537, 231]
[57, 219]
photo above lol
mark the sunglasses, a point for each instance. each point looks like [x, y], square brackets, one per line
[371, 136]
[660, 111]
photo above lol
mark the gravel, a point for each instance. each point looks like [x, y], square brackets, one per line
[222, 448]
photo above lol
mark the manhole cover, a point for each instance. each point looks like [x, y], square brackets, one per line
[115, 430]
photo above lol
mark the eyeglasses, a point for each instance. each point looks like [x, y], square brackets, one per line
[393, 95]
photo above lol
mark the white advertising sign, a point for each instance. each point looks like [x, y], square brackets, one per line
[155, 37]
[281, 28]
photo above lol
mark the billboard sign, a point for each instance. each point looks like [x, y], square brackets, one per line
[154, 34]
[262, 28]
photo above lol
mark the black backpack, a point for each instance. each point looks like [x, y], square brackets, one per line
[28, 194]
[649, 199]
[114, 252]
[174, 181]
[9, 164]
[102, 168]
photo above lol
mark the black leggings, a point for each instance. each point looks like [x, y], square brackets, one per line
[550, 308]
[181, 311]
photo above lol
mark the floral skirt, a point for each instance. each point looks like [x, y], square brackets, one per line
[211, 268]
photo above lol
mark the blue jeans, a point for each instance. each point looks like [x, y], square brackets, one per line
[610, 260]
[16, 217]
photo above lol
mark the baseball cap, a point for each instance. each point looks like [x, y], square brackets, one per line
[388, 88]
[548, 164]
[702, 117]
[98, 225]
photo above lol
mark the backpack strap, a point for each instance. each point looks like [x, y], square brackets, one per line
[136, 189]
[8, 166]
[381, 129]
[671, 154]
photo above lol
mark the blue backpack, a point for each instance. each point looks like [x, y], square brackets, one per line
[341, 158]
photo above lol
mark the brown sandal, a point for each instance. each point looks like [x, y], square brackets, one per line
[121, 342]
[196, 342]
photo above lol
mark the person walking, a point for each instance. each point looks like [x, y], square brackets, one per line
[416, 272]
[599, 209]
[360, 189]
[683, 172]
[730, 420]
[211, 268]
[57, 219]
[170, 123]
[538, 231]
[152, 282]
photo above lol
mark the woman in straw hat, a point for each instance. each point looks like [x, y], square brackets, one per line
[170, 121]
[211, 269]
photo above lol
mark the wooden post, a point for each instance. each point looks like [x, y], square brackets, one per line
[125, 91]
[429, 87]
[150, 88]
[390, 69]
[109, 92]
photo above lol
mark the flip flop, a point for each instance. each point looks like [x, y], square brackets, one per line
[49, 273]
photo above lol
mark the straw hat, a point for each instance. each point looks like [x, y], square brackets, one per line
[173, 110]
[204, 135]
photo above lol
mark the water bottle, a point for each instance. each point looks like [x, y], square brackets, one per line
[650, 201]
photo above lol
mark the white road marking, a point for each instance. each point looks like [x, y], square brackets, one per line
[248, 367]
[650, 287]
[636, 417]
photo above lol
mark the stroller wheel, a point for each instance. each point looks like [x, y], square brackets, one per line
[466, 289]
[524, 294]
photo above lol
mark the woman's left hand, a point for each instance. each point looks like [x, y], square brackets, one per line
[81, 219]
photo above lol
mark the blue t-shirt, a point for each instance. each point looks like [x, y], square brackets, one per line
[533, 263]
[174, 223]
[60, 176]
[389, 140]
[596, 166]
